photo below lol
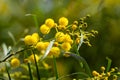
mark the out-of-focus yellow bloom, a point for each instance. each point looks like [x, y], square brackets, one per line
[49, 22]
[95, 73]
[15, 62]
[59, 36]
[32, 59]
[31, 40]
[66, 46]
[44, 29]
[46, 65]
[55, 51]
[4, 7]
[17, 74]
[63, 21]
[56, 44]
[102, 68]
[41, 46]
[74, 27]
[77, 40]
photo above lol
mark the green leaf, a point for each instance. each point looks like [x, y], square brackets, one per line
[81, 59]
[12, 37]
[109, 64]
[77, 73]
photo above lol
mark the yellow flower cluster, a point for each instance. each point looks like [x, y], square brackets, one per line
[105, 75]
[63, 22]
[45, 28]
[31, 39]
[65, 35]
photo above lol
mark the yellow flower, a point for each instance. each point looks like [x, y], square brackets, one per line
[66, 46]
[74, 27]
[46, 65]
[32, 59]
[41, 46]
[67, 38]
[63, 21]
[46, 44]
[61, 27]
[44, 29]
[55, 44]
[36, 35]
[30, 40]
[49, 22]
[95, 73]
[59, 36]
[77, 40]
[55, 51]
[15, 62]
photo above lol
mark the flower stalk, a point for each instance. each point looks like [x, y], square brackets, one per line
[55, 68]
[30, 73]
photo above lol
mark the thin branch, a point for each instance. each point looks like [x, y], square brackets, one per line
[10, 55]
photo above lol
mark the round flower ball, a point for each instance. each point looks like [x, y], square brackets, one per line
[15, 62]
[44, 29]
[63, 21]
[49, 22]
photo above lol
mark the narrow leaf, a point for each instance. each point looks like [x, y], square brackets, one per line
[12, 37]
[81, 59]
[109, 64]
[81, 41]
[48, 49]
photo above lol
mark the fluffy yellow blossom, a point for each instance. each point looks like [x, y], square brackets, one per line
[41, 46]
[66, 46]
[63, 21]
[59, 36]
[49, 22]
[44, 29]
[31, 40]
[15, 62]
[67, 38]
[32, 59]
[54, 51]
[46, 44]
[36, 35]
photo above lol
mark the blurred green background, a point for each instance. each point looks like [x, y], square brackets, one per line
[105, 17]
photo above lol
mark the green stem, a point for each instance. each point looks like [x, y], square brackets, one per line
[8, 72]
[38, 74]
[30, 73]
[55, 67]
